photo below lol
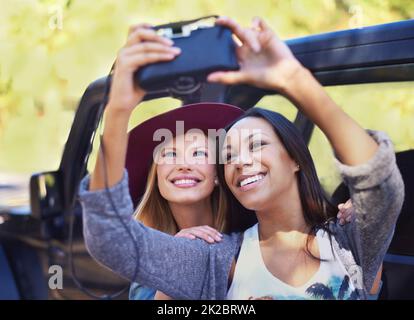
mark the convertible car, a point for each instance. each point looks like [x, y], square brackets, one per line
[48, 231]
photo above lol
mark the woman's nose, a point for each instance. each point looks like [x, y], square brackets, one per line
[184, 167]
[244, 159]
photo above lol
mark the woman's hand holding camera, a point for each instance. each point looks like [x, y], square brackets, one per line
[265, 61]
[144, 46]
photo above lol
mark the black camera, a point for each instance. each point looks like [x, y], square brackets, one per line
[204, 49]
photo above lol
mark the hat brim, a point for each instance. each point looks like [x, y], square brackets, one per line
[141, 143]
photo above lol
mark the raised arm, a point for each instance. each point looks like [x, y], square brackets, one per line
[267, 62]
[352, 144]
[143, 46]
[366, 159]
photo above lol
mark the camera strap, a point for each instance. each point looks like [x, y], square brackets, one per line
[182, 28]
[179, 24]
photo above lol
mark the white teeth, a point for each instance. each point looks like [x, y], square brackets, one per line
[184, 181]
[251, 179]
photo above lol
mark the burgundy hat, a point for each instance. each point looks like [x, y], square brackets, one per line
[203, 116]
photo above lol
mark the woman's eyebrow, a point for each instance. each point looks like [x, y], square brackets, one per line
[200, 146]
[169, 148]
[249, 137]
[255, 134]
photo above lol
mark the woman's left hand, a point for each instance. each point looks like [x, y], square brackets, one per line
[265, 60]
[205, 233]
[346, 212]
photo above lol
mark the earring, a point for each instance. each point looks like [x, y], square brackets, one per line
[298, 166]
[216, 182]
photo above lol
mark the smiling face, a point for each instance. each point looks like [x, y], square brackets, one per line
[258, 169]
[186, 170]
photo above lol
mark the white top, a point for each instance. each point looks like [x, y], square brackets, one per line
[252, 280]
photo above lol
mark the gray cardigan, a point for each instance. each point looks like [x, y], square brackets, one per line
[193, 269]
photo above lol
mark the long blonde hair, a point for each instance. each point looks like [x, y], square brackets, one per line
[154, 211]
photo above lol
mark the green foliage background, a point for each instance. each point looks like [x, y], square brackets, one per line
[51, 50]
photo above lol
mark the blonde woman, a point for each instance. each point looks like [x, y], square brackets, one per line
[176, 190]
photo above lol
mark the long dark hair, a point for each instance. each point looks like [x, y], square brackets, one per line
[318, 209]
